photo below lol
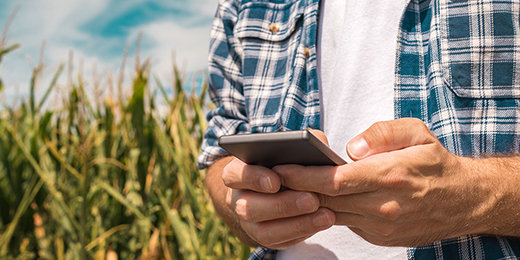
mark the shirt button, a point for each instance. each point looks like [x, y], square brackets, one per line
[307, 53]
[274, 28]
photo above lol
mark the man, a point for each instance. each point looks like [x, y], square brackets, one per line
[440, 179]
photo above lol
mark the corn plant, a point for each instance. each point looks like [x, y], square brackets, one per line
[102, 177]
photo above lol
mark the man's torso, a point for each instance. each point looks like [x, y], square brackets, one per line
[457, 70]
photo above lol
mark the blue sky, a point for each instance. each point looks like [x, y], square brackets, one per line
[97, 32]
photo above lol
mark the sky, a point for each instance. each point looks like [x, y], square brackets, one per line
[97, 33]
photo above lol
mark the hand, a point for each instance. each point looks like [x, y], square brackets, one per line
[404, 188]
[271, 218]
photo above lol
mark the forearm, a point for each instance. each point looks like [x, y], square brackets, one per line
[218, 191]
[500, 211]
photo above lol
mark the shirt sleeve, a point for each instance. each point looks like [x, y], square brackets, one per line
[225, 85]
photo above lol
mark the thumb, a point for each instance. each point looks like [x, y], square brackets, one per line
[389, 136]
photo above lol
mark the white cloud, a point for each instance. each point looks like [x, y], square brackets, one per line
[188, 44]
[59, 23]
[53, 22]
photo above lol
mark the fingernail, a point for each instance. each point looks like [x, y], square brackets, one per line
[322, 220]
[358, 147]
[306, 202]
[265, 183]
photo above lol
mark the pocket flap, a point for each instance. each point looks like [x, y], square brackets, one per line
[268, 21]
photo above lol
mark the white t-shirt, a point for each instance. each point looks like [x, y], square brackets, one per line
[356, 56]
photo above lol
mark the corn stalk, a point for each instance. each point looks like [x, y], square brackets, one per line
[95, 179]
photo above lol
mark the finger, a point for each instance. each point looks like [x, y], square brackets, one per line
[258, 207]
[347, 179]
[239, 175]
[373, 204]
[389, 136]
[320, 135]
[281, 231]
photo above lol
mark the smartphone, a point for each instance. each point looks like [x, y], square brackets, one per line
[277, 148]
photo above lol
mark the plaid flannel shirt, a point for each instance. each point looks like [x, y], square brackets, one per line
[457, 69]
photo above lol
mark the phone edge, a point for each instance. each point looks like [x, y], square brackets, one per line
[316, 142]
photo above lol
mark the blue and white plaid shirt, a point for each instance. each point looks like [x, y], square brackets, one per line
[458, 69]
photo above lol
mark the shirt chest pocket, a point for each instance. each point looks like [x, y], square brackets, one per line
[480, 47]
[269, 34]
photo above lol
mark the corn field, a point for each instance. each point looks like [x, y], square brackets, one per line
[106, 178]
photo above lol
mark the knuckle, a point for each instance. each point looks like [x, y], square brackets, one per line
[390, 211]
[242, 211]
[301, 227]
[424, 132]
[336, 185]
[342, 182]
[436, 156]
[227, 174]
[334, 189]
[281, 207]
[419, 124]
[229, 198]
[383, 132]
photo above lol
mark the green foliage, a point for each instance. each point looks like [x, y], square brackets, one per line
[92, 180]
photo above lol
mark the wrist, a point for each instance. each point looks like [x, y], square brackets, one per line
[479, 187]
[494, 185]
[468, 192]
